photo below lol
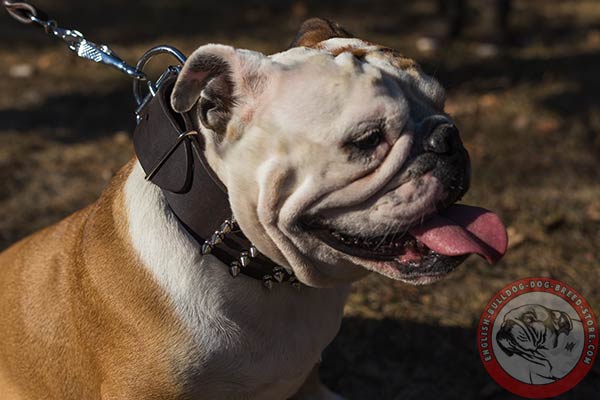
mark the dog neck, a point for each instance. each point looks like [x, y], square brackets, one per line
[200, 287]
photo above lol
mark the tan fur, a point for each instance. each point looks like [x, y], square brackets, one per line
[316, 30]
[80, 318]
[398, 60]
[355, 51]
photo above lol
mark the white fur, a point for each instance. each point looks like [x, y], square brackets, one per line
[251, 343]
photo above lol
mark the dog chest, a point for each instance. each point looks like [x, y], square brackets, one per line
[259, 345]
[246, 342]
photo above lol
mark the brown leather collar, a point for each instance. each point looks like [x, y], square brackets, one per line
[171, 152]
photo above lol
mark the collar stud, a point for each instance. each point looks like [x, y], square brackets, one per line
[235, 269]
[268, 282]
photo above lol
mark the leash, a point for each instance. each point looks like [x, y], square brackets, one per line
[192, 190]
[28, 14]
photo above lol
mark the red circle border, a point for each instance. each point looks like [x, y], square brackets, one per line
[517, 387]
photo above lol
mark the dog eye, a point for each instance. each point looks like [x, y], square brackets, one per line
[369, 140]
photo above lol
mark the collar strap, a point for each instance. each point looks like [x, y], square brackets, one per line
[170, 150]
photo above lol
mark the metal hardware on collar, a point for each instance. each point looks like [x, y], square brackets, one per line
[147, 56]
[227, 226]
[171, 71]
[169, 152]
[277, 274]
[244, 258]
[295, 283]
[235, 268]
[253, 252]
[268, 282]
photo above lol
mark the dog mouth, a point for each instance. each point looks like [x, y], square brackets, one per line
[429, 248]
[397, 245]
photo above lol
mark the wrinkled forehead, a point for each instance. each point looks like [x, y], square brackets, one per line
[325, 88]
[355, 77]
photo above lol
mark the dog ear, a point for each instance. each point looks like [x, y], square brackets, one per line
[562, 322]
[315, 30]
[214, 77]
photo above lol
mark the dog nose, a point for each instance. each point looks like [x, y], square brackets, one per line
[442, 140]
[440, 135]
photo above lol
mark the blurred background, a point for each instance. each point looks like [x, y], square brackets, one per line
[523, 84]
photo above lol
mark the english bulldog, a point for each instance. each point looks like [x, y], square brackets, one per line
[548, 342]
[339, 161]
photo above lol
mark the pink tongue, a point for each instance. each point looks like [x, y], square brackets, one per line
[463, 229]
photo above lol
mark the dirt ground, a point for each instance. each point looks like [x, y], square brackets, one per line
[530, 118]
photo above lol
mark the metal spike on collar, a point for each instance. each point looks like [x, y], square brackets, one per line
[253, 251]
[278, 274]
[268, 282]
[206, 247]
[235, 269]
[217, 238]
[226, 227]
[244, 258]
[295, 282]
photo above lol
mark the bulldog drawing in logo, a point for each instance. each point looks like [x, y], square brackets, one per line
[537, 337]
[549, 341]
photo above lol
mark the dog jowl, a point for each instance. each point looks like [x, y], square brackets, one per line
[338, 160]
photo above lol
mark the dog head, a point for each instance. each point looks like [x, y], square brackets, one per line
[334, 152]
[528, 329]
